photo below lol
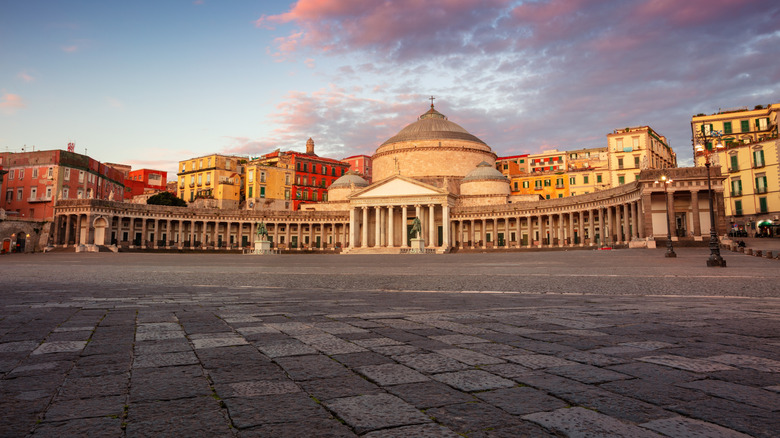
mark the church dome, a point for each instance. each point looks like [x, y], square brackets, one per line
[348, 179]
[484, 172]
[432, 125]
[431, 150]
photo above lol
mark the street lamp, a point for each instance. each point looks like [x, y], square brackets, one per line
[705, 143]
[669, 249]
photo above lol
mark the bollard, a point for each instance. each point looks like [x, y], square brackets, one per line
[768, 254]
[749, 251]
[757, 253]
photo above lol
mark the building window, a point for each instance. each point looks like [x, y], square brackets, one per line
[65, 193]
[251, 176]
[758, 158]
[620, 163]
[572, 180]
[287, 179]
[305, 179]
[251, 192]
[621, 179]
[287, 194]
[9, 195]
[745, 125]
[598, 179]
[506, 166]
[526, 184]
[200, 164]
[262, 177]
[547, 182]
[19, 193]
[228, 164]
[737, 208]
[208, 178]
[736, 187]
[762, 206]
[50, 172]
[332, 171]
[262, 192]
[585, 179]
[515, 185]
[325, 197]
[200, 179]
[560, 195]
[761, 184]
[21, 173]
[635, 141]
[192, 179]
[619, 144]
[183, 167]
[636, 162]
[727, 127]
[762, 124]
[81, 176]
[35, 172]
[11, 174]
[538, 184]
[33, 192]
[734, 163]
[546, 196]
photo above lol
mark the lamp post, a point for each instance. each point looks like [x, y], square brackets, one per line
[669, 249]
[705, 143]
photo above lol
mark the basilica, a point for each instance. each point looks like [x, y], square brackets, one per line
[433, 171]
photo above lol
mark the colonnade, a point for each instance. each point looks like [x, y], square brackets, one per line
[389, 226]
[191, 233]
[601, 225]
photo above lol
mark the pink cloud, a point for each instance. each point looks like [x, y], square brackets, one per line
[70, 49]
[26, 77]
[11, 103]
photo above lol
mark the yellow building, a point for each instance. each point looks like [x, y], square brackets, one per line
[213, 180]
[587, 170]
[749, 160]
[631, 150]
[267, 186]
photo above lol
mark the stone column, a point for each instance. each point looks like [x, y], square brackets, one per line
[602, 227]
[377, 227]
[562, 230]
[68, 229]
[144, 232]
[506, 232]
[634, 221]
[611, 225]
[530, 221]
[617, 225]
[571, 230]
[90, 237]
[192, 233]
[695, 213]
[472, 235]
[404, 220]
[352, 219]
[541, 231]
[629, 230]
[390, 227]
[432, 226]
[445, 226]
[364, 234]
[591, 227]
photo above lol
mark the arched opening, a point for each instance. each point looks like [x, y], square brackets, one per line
[100, 231]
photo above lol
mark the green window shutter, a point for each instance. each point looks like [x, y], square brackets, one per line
[262, 192]
[762, 205]
[251, 191]
[745, 125]
[758, 123]
[739, 185]
[733, 187]
[734, 163]
[738, 207]
[727, 127]
[585, 179]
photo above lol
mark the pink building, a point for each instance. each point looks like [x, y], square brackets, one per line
[360, 164]
[36, 180]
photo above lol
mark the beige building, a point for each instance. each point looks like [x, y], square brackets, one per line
[631, 150]
[212, 180]
[749, 159]
[269, 187]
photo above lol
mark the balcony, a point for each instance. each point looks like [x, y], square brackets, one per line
[733, 169]
[737, 212]
[761, 190]
[559, 186]
[736, 193]
[192, 185]
[758, 165]
[35, 199]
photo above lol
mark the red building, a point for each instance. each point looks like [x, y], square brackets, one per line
[140, 181]
[36, 180]
[360, 164]
[313, 174]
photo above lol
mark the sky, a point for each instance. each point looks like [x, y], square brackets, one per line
[151, 83]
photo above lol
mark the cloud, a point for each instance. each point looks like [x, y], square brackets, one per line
[70, 49]
[26, 77]
[11, 103]
[115, 103]
[532, 75]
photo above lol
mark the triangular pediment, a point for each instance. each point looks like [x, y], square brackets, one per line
[398, 186]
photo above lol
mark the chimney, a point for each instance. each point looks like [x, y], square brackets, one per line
[310, 147]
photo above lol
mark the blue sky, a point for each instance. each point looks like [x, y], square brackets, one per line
[151, 83]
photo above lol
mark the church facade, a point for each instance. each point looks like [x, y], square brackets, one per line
[432, 170]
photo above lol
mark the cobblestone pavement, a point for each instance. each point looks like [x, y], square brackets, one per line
[559, 343]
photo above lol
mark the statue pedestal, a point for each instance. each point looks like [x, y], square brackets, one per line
[262, 247]
[417, 246]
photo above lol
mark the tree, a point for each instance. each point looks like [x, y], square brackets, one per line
[166, 198]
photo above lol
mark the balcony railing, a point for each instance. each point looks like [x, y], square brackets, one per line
[761, 189]
[737, 212]
[733, 169]
[39, 199]
[559, 186]
[758, 165]
[735, 193]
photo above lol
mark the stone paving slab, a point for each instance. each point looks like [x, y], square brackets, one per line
[391, 374]
[473, 380]
[685, 363]
[581, 423]
[375, 411]
[682, 427]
